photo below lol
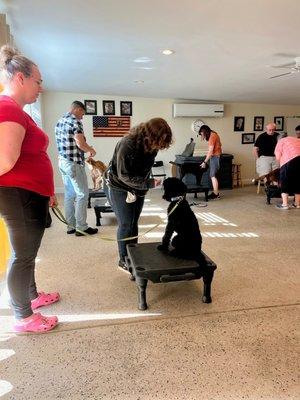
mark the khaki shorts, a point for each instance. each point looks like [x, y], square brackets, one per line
[265, 164]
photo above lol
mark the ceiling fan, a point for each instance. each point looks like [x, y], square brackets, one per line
[293, 67]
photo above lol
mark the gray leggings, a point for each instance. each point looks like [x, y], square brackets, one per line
[25, 214]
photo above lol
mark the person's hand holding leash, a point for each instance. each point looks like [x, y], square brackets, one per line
[53, 201]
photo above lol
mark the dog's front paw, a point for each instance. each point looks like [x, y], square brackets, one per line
[161, 247]
[174, 253]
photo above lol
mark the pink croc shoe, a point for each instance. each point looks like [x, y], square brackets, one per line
[38, 323]
[44, 299]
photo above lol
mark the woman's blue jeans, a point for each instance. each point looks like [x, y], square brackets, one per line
[25, 214]
[127, 215]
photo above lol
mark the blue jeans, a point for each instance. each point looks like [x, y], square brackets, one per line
[76, 193]
[25, 215]
[127, 215]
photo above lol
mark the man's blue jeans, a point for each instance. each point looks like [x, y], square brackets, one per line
[76, 193]
[127, 215]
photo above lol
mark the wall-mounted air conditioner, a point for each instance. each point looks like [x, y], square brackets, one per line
[198, 110]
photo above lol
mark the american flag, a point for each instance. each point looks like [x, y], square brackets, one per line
[110, 126]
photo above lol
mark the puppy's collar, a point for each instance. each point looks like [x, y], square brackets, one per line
[177, 198]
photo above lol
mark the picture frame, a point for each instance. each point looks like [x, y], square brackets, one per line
[90, 107]
[279, 122]
[239, 124]
[258, 124]
[108, 107]
[248, 138]
[126, 108]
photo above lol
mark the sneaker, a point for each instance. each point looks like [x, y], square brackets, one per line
[295, 206]
[71, 231]
[89, 231]
[123, 266]
[213, 196]
[281, 207]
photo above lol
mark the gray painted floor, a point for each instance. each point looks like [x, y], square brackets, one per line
[242, 346]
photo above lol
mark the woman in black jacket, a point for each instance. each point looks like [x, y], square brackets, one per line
[129, 173]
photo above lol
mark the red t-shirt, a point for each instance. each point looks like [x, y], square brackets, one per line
[33, 170]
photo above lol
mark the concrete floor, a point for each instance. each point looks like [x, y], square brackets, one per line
[242, 346]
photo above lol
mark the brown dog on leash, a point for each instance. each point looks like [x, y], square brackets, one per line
[97, 169]
[272, 178]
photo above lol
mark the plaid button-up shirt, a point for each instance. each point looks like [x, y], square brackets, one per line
[65, 131]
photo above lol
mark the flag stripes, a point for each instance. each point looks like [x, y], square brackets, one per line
[110, 126]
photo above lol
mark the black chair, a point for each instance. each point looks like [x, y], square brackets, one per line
[95, 194]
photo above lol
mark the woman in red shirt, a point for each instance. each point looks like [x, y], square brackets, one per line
[26, 188]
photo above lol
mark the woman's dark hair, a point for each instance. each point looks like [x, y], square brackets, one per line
[205, 129]
[11, 62]
[154, 134]
[297, 128]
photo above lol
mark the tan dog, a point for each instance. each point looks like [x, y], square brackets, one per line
[272, 178]
[97, 169]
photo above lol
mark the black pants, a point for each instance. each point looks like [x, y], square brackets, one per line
[290, 176]
[25, 214]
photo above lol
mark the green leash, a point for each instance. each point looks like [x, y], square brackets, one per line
[57, 212]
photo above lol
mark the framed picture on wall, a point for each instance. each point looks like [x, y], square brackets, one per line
[108, 107]
[258, 123]
[90, 107]
[279, 121]
[126, 108]
[239, 124]
[248, 138]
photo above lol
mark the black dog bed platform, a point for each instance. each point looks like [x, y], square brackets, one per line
[101, 206]
[95, 194]
[145, 263]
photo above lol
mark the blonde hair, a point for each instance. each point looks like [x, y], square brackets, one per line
[154, 134]
[11, 62]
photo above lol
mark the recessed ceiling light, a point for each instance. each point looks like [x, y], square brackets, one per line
[143, 68]
[139, 81]
[168, 52]
[142, 60]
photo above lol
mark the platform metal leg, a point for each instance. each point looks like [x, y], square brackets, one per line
[98, 216]
[142, 285]
[207, 279]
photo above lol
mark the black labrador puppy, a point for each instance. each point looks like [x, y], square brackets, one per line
[188, 240]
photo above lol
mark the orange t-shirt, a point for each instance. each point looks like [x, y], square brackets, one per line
[214, 140]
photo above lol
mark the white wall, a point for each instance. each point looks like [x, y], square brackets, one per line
[54, 104]
[291, 124]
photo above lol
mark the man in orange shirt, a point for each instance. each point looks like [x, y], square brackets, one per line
[213, 156]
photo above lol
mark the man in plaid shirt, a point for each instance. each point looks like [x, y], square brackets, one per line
[71, 145]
